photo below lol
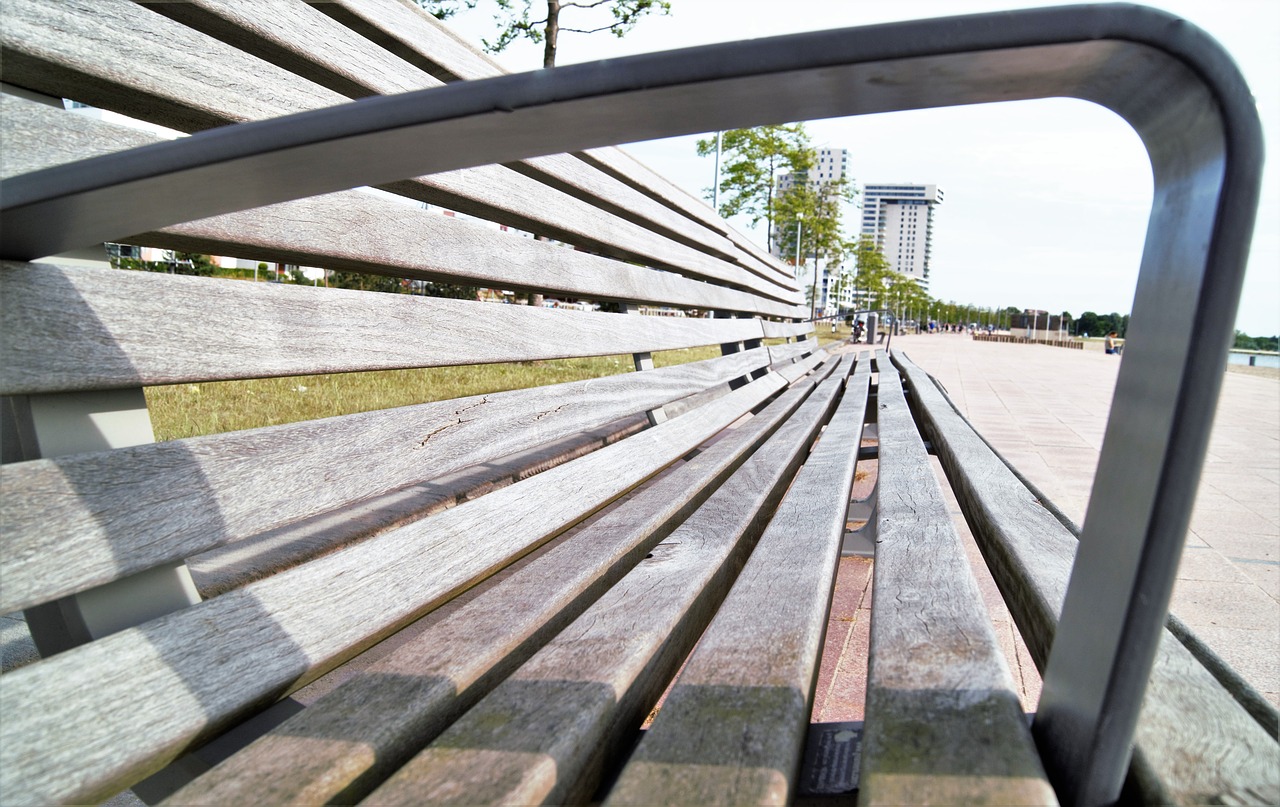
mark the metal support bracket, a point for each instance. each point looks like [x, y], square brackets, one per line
[53, 425]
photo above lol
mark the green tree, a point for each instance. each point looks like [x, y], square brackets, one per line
[365, 282]
[751, 162]
[515, 20]
[814, 213]
[903, 294]
[872, 273]
[1089, 324]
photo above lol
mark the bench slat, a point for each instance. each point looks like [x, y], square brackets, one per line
[392, 709]
[354, 66]
[137, 507]
[544, 734]
[124, 706]
[1030, 554]
[84, 328]
[423, 41]
[790, 351]
[732, 727]
[779, 330]
[627, 168]
[943, 722]
[109, 76]
[359, 232]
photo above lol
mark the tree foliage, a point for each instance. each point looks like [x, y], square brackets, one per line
[1246, 342]
[1101, 324]
[515, 19]
[871, 274]
[751, 162]
[183, 263]
[813, 213]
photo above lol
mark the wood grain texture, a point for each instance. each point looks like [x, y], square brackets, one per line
[621, 164]
[1194, 742]
[943, 722]
[779, 330]
[351, 740]
[791, 351]
[732, 727]
[543, 735]
[423, 41]
[285, 32]
[71, 328]
[97, 51]
[48, 49]
[131, 509]
[360, 232]
[104, 715]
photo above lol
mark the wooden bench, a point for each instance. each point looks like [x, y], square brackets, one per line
[480, 600]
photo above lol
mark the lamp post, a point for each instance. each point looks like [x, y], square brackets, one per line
[715, 186]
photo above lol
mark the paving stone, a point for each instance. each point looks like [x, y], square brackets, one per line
[1010, 391]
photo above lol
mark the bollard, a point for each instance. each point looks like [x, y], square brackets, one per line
[871, 329]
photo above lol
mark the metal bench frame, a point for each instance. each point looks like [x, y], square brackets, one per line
[1175, 86]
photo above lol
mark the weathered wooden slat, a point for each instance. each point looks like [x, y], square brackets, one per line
[732, 728]
[791, 351]
[543, 735]
[511, 198]
[1194, 743]
[359, 232]
[46, 52]
[422, 41]
[351, 740]
[71, 328]
[411, 35]
[779, 330]
[99, 717]
[134, 508]
[943, 722]
[285, 32]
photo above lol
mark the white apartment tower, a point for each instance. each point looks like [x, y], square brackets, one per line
[831, 166]
[900, 219]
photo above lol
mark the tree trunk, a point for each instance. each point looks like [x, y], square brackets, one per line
[552, 33]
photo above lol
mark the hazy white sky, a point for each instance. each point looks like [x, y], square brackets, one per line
[1046, 201]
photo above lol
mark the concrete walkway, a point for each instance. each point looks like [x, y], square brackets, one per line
[1045, 409]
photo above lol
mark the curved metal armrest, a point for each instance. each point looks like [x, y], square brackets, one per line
[1173, 84]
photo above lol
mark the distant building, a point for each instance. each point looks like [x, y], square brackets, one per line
[831, 166]
[899, 217]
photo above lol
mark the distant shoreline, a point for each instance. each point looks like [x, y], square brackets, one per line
[1265, 372]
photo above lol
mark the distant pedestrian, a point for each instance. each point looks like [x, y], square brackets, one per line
[1110, 345]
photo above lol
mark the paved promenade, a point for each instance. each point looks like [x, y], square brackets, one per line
[1045, 410]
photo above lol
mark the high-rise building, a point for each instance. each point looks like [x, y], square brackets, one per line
[832, 165]
[900, 219]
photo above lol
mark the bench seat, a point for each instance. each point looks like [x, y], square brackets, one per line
[609, 590]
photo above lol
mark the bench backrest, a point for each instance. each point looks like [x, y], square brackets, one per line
[621, 235]
[100, 521]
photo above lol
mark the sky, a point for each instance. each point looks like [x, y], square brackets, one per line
[1046, 201]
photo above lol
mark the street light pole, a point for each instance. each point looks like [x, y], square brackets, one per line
[715, 186]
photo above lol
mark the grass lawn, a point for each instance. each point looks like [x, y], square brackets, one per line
[188, 410]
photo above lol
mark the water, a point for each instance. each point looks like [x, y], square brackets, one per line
[1259, 359]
